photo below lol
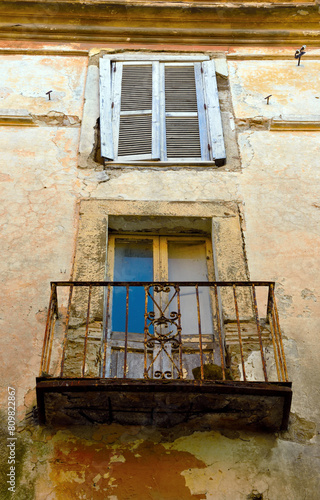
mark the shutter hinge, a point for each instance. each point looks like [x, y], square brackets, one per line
[201, 69]
[205, 106]
[114, 68]
[112, 105]
[209, 147]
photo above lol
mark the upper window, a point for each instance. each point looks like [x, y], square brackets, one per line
[160, 109]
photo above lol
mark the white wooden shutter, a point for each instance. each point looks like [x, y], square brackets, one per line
[181, 134]
[106, 136]
[136, 110]
[167, 111]
[215, 131]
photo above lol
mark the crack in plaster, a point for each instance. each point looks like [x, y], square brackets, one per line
[289, 214]
[246, 163]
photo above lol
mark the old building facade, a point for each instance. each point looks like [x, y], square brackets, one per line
[159, 143]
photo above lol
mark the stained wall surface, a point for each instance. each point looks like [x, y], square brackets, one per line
[276, 188]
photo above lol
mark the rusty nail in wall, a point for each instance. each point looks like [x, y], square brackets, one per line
[268, 97]
[48, 94]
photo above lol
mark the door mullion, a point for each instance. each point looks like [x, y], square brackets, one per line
[106, 331]
[167, 365]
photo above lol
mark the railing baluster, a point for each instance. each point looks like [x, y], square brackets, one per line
[277, 343]
[126, 334]
[270, 317]
[105, 331]
[51, 335]
[270, 300]
[179, 332]
[274, 345]
[66, 331]
[47, 333]
[220, 333]
[145, 354]
[259, 332]
[87, 331]
[273, 326]
[279, 333]
[239, 332]
[200, 333]
[46, 366]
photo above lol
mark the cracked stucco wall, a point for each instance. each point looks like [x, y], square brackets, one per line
[26, 79]
[277, 188]
[294, 89]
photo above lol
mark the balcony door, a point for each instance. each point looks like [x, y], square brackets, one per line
[158, 319]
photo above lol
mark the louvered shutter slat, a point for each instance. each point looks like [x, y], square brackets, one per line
[136, 122]
[135, 135]
[182, 132]
[136, 88]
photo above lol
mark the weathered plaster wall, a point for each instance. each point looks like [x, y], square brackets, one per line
[38, 212]
[114, 462]
[294, 89]
[39, 192]
[25, 80]
[281, 195]
[277, 189]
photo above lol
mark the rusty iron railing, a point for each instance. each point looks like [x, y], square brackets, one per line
[89, 334]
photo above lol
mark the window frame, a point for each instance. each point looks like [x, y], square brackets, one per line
[160, 251]
[209, 114]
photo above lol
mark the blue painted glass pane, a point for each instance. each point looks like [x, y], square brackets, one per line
[133, 262]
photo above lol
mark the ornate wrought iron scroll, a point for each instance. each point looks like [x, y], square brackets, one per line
[162, 333]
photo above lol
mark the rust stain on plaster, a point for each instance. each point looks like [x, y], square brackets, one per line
[5, 178]
[148, 472]
[25, 154]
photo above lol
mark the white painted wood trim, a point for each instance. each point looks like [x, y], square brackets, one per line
[138, 56]
[184, 160]
[137, 112]
[107, 150]
[156, 110]
[174, 162]
[182, 114]
[135, 157]
[163, 141]
[203, 133]
[213, 112]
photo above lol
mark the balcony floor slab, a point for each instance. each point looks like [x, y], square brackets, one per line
[164, 403]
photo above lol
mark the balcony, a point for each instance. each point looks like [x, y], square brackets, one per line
[158, 353]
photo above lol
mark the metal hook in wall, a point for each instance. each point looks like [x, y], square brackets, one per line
[299, 53]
